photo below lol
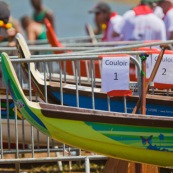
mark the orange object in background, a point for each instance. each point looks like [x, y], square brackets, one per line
[51, 36]
[53, 40]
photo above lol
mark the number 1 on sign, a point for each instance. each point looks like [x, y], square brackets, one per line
[116, 76]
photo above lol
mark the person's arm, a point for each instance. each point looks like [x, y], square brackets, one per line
[169, 25]
[31, 33]
[162, 31]
[117, 28]
[17, 26]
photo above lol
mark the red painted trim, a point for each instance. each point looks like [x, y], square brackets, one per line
[152, 50]
[120, 93]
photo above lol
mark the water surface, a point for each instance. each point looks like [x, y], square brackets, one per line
[70, 15]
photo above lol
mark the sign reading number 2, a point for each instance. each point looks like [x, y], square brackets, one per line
[164, 71]
[116, 76]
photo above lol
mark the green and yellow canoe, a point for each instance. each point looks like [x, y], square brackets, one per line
[147, 139]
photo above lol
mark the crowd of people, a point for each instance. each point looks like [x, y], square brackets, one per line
[33, 26]
[150, 20]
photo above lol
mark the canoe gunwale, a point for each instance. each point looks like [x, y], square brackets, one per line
[89, 115]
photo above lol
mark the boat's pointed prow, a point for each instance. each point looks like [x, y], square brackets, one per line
[26, 108]
[10, 77]
[24, 52]
[22, 47]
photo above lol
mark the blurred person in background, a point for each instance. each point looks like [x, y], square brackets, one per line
[106, 21]
[15, 24]
[157, 10]
[40, 12]
[34, 30]
[141, 23]
[167, 6]
[7, 32]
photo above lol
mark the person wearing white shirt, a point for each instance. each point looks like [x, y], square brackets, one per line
[141, 24]
[110, 20]
[167, 6]
[158, 12]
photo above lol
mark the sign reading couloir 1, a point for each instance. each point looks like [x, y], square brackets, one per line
[115, 73]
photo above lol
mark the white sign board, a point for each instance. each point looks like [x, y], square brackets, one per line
[165, 71]
[115, 73]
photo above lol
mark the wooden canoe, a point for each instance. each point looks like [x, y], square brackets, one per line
[154, 106]
[24, 128]
[140, 138]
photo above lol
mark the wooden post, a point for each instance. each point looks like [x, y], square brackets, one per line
[143, 76]
[116, 166]
[152, 76]
[138, 166]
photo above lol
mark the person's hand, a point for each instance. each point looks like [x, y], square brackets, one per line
[11, 33]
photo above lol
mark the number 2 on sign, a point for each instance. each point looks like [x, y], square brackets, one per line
[116, 76]
[164, 71]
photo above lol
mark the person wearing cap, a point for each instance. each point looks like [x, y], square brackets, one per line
[110, 20]
[141, 24]
[40, 12]
[167, 6]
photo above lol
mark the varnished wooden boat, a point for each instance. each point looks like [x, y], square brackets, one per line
[140, 138]
[154, 106]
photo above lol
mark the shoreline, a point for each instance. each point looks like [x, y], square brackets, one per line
[133, 2]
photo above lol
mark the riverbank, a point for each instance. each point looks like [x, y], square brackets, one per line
[131, 3]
